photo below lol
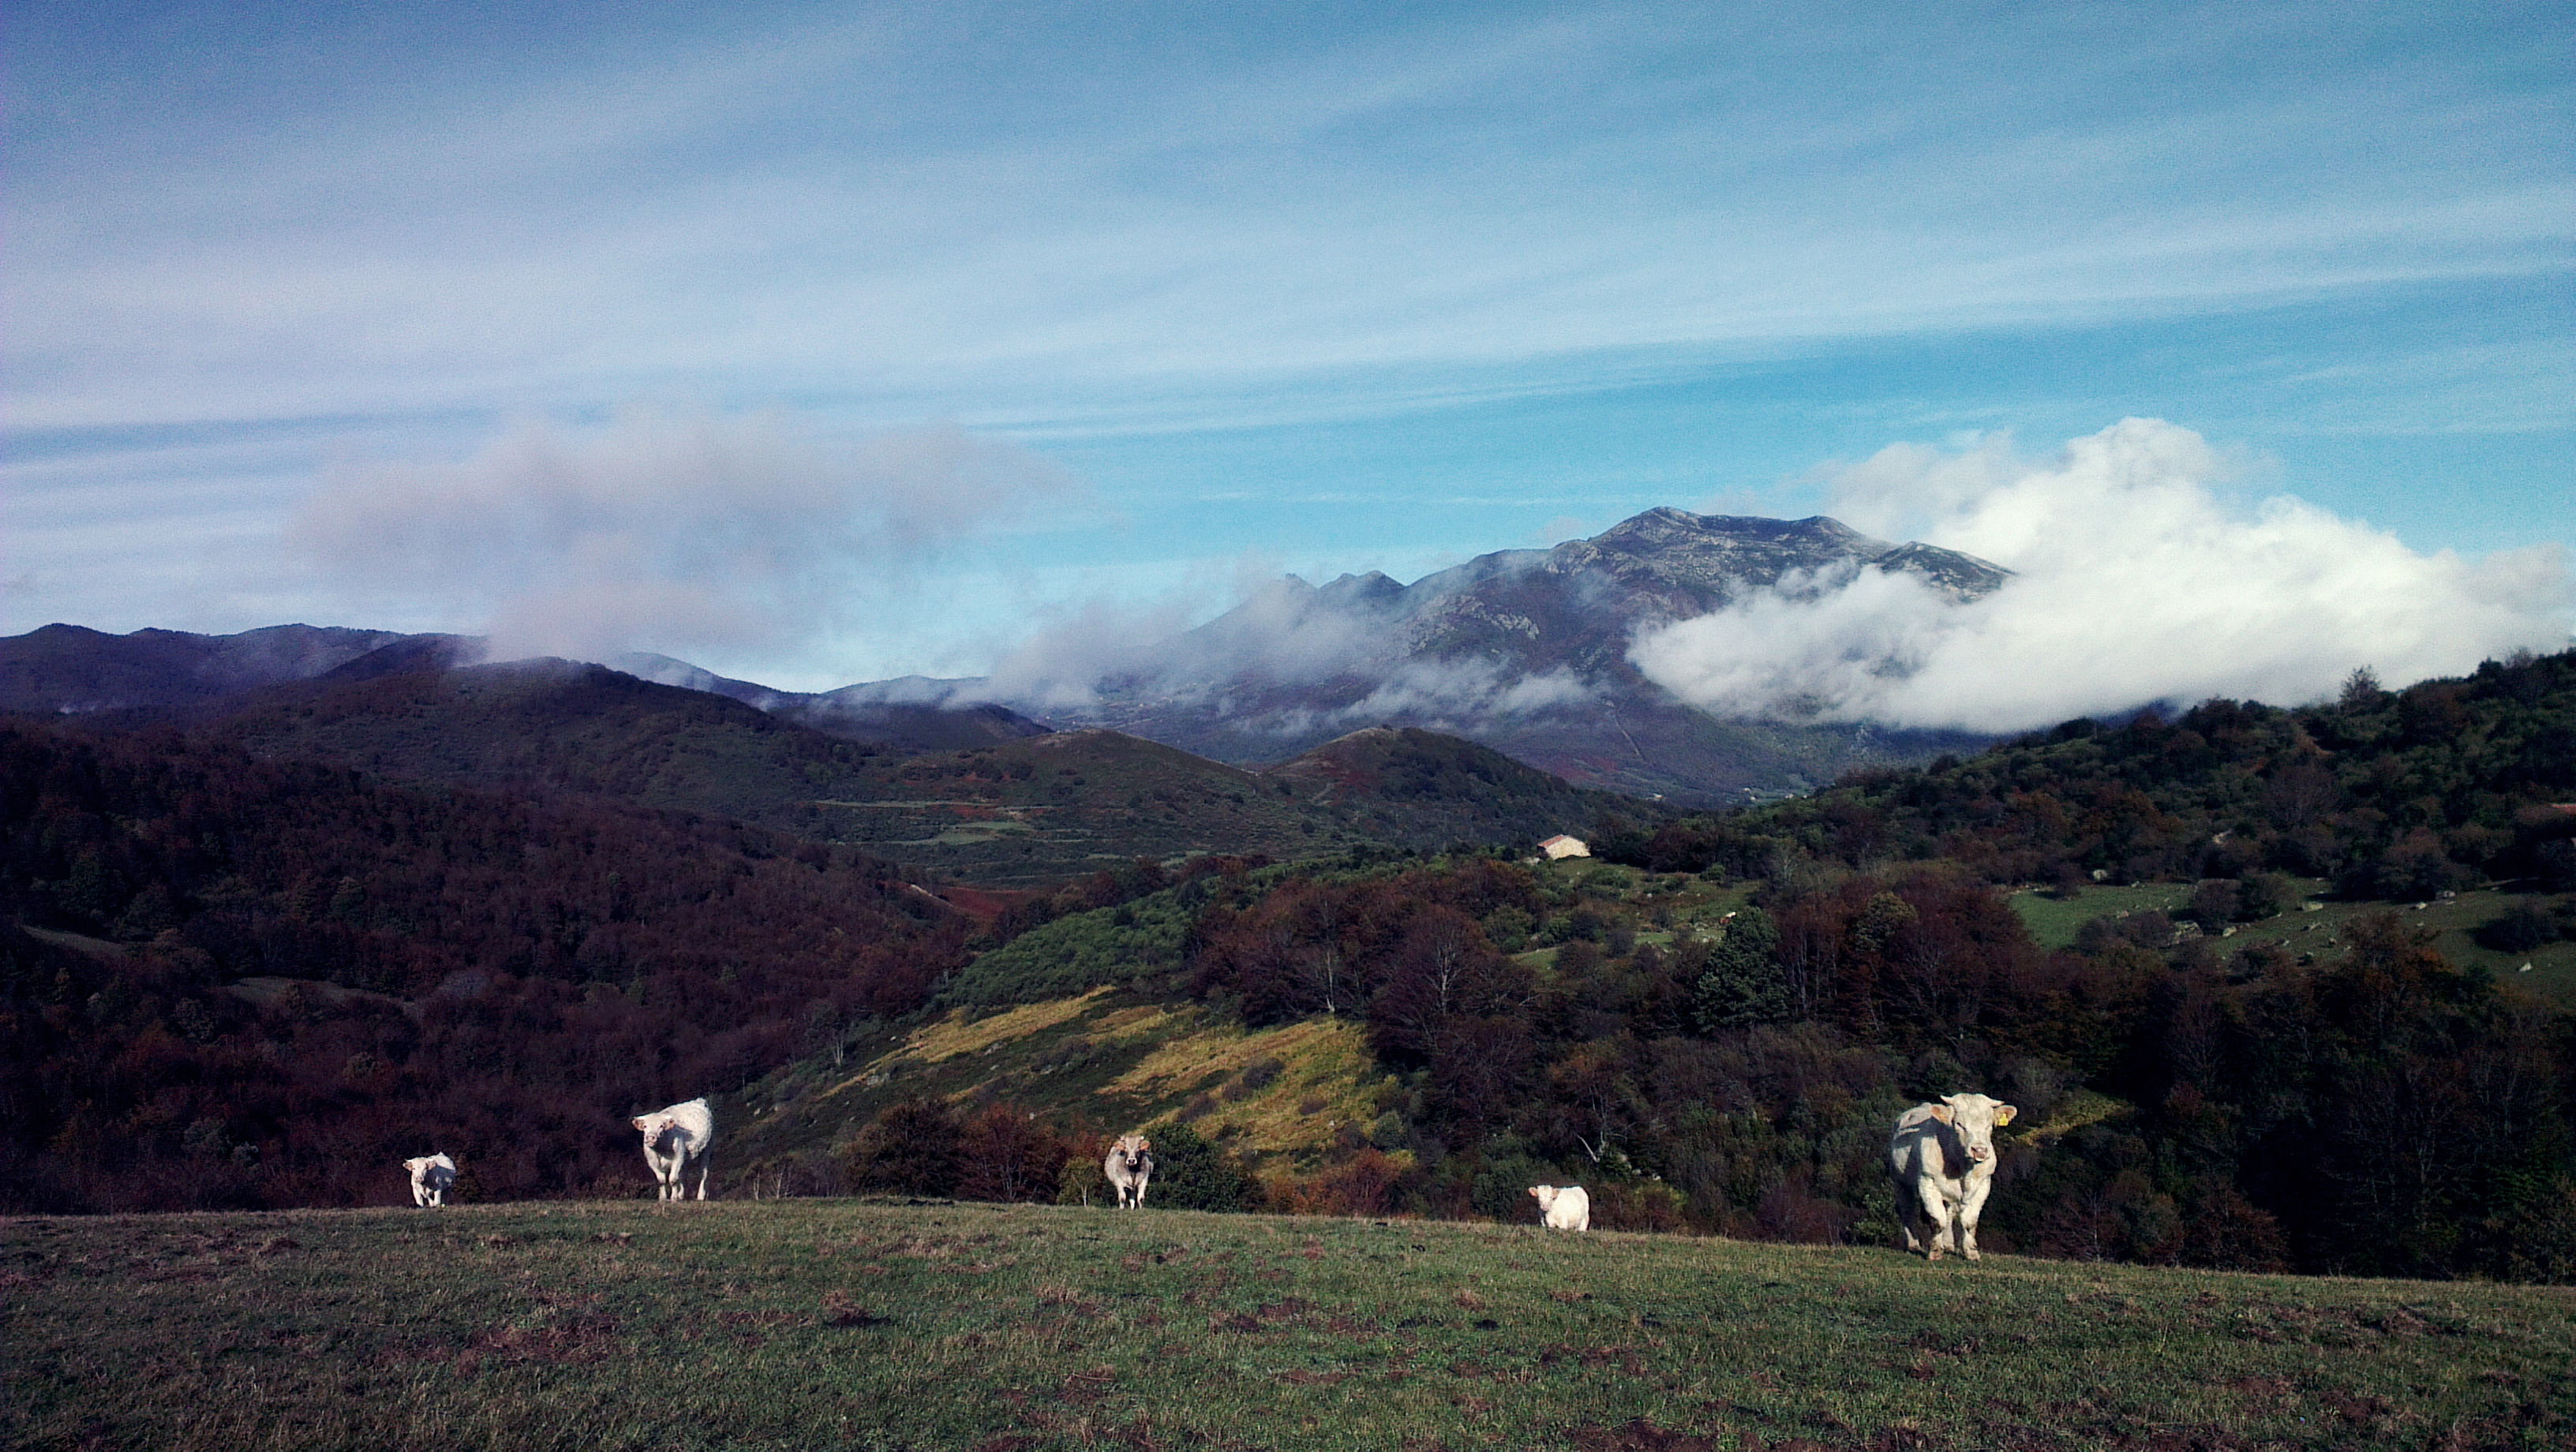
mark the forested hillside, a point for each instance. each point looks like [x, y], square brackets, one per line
[1018, 812]
[1725, 1048]
[250, 983]
[2393, 794]
[253, 982]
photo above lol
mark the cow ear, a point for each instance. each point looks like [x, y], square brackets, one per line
[2004, 1113]
[1944, 1113]
[1144, 1144]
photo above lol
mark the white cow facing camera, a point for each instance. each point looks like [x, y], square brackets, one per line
[674, 1139]
[1563, 1207]
[432, 1176]
[1130, 1168]
[1941, 1160]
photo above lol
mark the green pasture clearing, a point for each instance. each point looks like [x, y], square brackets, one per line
[2054, 920]
[840, 1324]
[2453, 921]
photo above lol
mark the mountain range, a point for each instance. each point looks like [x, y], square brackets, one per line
[1016, 806]
[1522, 651]
[1525, 651]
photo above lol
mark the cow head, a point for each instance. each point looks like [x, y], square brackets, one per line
[1976, 1118]
[659, 1130]
[1130, 1151]
[1545, 1195]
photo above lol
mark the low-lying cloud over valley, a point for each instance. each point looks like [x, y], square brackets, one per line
[2134, 577]
[2134, 582]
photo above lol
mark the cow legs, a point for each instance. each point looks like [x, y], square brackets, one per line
[702, 1177]
[1908, 1215]
[1934, 1207]
[1969, 1208]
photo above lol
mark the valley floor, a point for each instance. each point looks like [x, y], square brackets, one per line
[846, 1324]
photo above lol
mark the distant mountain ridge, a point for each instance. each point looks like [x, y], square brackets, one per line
[70, 670]
[913, 712]
[73, 670]
[977, 793]
[1526, 651]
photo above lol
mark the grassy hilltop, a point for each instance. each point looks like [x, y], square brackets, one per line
[797, 1324]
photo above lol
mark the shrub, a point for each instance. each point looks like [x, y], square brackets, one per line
[1743, 983]
[1369, 1183]
[1502, 1184]
[912, 1148]
[2536, 1242]
[2521, 928]
[2213, 904]
[2261, 895]
[1006, 1155]
[1192, 1174]
[1638, 1205]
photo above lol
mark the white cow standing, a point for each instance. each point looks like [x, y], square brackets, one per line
[1942, 1162]
[1563, 1207]
[432, 1176]
[675, 1138]
[1128, 1168]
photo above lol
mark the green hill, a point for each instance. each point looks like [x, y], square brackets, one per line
[1013, 813]
[832, 1324]
[1047, 807]
[551, 726]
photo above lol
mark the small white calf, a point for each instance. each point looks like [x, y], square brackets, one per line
[1563, 1207]
[1942, 1162]
[432, 1176]
[674, 1139]
[1128, 1168]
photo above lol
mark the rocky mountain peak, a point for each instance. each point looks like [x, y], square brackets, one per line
[1525, 650]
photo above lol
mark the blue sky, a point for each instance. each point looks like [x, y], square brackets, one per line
[1310, 287]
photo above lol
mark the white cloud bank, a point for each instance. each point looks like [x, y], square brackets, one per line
[2134, 583]
[666, 533]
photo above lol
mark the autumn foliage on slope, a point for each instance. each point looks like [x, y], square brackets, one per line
[2378, 1112]
[2393, 794]
[499, 977]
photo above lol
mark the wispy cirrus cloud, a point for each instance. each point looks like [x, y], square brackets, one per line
[810, 202]
[1591, 256]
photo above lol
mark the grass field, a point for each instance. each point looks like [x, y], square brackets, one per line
[838, 1324]
[2548, 972]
